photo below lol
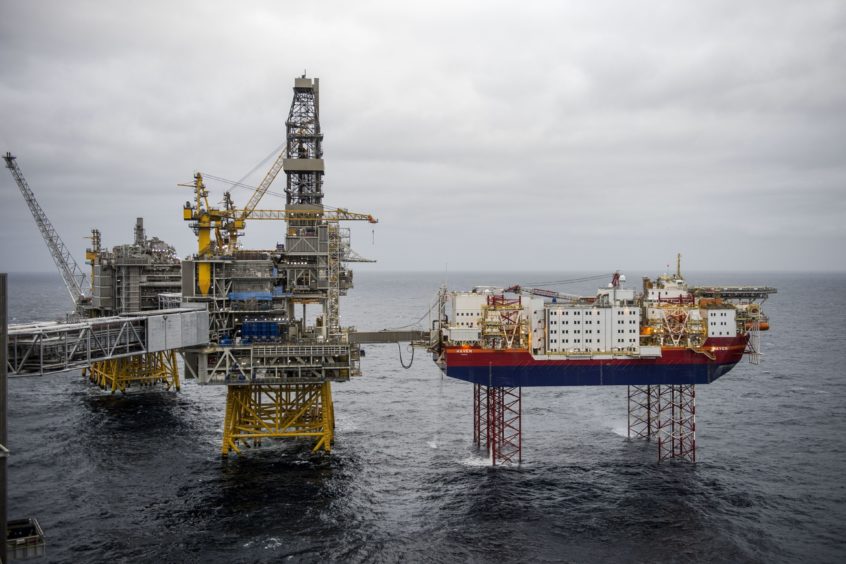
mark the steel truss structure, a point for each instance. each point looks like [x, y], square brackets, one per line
[667, 413]
[275, 364]
[256, 412]
[305, 141]
[45, 348]
[643, 412]
[150, 369]
[480, 417]
[76, 281]
[497, 421]
[677, 423]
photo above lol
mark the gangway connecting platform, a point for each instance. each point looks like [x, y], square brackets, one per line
[51, 347]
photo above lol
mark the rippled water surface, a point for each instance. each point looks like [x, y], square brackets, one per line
[139, 478]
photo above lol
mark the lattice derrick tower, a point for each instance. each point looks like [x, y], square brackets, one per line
[304, 168]
[304, 143]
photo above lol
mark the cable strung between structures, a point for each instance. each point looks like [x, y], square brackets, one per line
[263, 161]
[434, 305]
[410, 362]
[240, 183]
[234, 184]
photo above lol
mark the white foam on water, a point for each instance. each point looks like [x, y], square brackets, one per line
[476, 461]
[272, 543]
[621, 430]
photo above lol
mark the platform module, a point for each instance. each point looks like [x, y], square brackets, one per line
[275, 338]
[137, 277]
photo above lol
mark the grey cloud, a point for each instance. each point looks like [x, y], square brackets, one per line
[557, 135]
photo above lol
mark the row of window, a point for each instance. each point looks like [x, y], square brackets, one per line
[591, 312]
[590, 322]
[579, 331]
[568, 340]
[597, 349]
[578, 341]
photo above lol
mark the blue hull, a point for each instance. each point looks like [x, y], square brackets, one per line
[590, 375]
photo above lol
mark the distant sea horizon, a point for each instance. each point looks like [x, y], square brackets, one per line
[361, 268]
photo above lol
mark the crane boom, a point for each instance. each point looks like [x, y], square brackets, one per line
[265, 184]
[75, 280]
[339, 214]
[542, 292]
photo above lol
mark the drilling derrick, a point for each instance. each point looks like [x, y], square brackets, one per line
[304, 193]
[275, 335]
[304, 151]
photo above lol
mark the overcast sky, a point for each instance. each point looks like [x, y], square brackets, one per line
[484, 136]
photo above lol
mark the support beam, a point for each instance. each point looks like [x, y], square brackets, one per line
[480, 416]
[677, 423]
[497, 419]
[643, 412]
[668, 414]
[149, 369]
[255, 412]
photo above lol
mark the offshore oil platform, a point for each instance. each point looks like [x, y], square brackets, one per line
[239, 318]
[265, 323]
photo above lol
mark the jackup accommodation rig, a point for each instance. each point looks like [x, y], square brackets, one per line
[659, 342]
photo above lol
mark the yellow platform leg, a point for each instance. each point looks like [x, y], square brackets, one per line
[257, 411]
[144, 369]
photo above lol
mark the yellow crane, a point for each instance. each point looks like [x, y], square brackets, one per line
[226, 224]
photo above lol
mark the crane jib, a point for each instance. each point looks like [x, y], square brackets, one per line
[76, 281]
